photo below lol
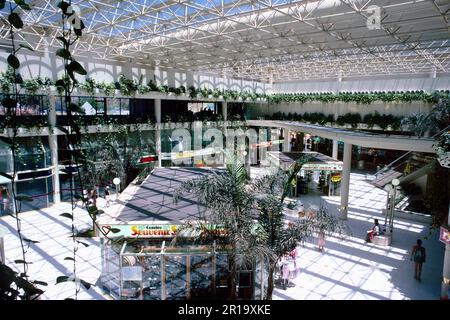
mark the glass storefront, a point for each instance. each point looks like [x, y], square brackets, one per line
[157, 270]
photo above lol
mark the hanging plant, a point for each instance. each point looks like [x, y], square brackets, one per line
[108, 88]
[31, 86]
[143, 89]
[442, 147]
[152, 86]
[127, 86]
[89, 86]
[7, 79]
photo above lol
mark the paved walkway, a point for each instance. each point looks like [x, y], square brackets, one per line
[348, 269]
[55, 244]
[352, 269]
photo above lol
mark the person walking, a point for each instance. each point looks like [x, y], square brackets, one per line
[321, 239]
[418, 254]
[4, 198]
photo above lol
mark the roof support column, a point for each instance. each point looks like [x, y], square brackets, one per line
[345, 186]
[53, 144]
[334, 154]
[287, 138]
[158, 130]
[224, 110]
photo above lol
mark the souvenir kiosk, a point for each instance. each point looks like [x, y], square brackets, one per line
[326, 170]
[141, 260]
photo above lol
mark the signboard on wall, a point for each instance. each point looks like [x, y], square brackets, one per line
[145, 230]
[444, 235]
[190, 154]
[322, 166]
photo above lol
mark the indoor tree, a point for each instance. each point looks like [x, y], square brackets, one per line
[230, 204]
[251, 213]
[272, 189]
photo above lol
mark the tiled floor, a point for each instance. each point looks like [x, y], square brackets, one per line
[55, 244]
[352, 269]
[348, 269]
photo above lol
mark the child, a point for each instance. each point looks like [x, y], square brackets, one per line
[321, 240]
[285, 270]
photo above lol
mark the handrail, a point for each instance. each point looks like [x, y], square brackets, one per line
[387, 167]
[446, 128]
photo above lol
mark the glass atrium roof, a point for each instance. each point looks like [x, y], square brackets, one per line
[265, 40]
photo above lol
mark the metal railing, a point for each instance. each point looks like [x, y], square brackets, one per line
[390, 165]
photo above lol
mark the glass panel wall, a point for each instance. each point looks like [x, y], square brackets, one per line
[150, 270]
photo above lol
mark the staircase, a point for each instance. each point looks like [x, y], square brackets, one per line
[410, 166]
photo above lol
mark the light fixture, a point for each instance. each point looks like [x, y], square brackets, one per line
[395, 182]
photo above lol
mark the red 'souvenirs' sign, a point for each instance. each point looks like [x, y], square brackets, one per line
[146, 159]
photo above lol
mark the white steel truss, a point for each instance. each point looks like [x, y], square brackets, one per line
[264, 40]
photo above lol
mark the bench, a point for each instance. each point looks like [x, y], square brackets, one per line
[382, 240]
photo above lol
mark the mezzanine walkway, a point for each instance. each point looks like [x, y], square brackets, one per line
[363, 139]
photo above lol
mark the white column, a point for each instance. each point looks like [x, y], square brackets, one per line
[345, 185]
[53, 144]
[224, 111]
[273, 137]
[287, 139]
[446, 269]
[335, 150]
[262, 137]
[158, 129]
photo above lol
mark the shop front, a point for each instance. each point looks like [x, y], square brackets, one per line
[147, 254]
[321, 171]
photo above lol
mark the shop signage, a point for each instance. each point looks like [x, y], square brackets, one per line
[444, 236]
[145, 230]
[336, 178]
[189, 154]
[322, 166]
[266, 144]
[147, 159]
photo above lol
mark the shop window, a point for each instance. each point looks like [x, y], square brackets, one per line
[200, 276]
[175, 277]
[39, 189]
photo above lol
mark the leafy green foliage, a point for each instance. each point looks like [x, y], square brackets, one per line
[13, 61]
[66, 215]
[30, 241]
[22, 4]
[63, 53]
[358, 97]
[15, 20]
[354, 119]
[417, 123]
[230, 204]
[14, 286]
[24, 197]
[25, 46]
